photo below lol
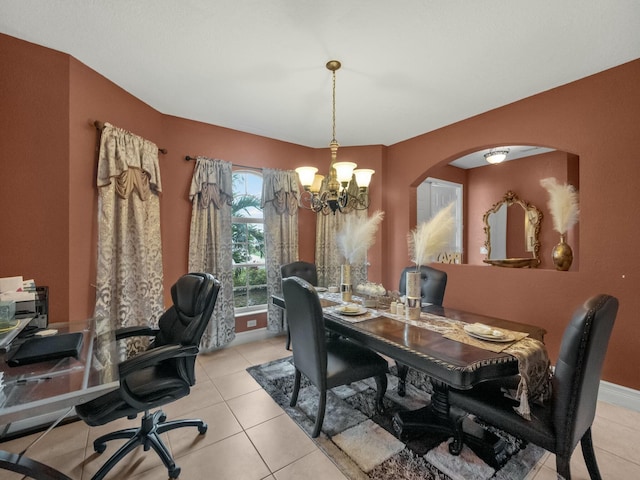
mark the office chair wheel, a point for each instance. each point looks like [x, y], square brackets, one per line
[174, 473]
[202, 429]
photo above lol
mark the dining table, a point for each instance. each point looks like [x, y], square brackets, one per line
[442, 345]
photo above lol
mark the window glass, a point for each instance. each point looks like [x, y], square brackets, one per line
[249, 274]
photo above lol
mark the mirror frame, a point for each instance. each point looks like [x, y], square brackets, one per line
[510, 198]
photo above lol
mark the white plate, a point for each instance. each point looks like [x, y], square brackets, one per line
[321, 289]
[350, 311]
[490, 338]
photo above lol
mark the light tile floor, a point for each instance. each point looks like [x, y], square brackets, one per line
[251, 438]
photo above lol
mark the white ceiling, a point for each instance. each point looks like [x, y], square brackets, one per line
[409, 66]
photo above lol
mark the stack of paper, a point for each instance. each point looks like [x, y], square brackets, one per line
[13, 289]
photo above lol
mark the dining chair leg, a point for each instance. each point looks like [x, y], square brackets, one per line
[402, 378]
[562, 466]
[589, 455]
[322, 405]
[296, 389]
[381, 389]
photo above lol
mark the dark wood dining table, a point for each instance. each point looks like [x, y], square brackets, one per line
[448, 363]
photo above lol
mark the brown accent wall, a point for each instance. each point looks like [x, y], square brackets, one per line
[48, 195]
[34, 168]
[596, 119]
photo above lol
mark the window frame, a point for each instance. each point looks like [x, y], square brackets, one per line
[247, 221]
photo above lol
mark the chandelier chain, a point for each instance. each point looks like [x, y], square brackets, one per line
[333, 140]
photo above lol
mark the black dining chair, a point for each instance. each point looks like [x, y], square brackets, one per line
[433, 283]
[159, 375]
[305, 270]
[326, 361]
[566, 419]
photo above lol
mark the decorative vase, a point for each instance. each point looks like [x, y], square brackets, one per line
[414, 295]
[562, 255]
[345, 282]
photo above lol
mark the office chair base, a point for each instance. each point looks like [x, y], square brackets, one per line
[148, 435]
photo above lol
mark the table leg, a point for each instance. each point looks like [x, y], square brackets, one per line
[435, 418]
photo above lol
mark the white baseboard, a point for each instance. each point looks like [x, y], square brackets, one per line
[619, 395]
[253, 336]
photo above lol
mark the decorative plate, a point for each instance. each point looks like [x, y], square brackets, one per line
[493, 336]
[351, 310]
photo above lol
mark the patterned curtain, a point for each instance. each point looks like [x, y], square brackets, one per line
[328, 256]
[129, 279]
[280, 194]
[210, 248]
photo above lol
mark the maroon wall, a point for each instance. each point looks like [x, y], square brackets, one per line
[48, 194]
[596, 119]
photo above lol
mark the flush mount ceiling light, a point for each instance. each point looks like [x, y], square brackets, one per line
[496, 155]
[346, 189]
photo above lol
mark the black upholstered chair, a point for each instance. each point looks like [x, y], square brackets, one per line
[433, 284]
[161, 374]
[566, 419]
[432, 287]
[326, 361]
[305, 270]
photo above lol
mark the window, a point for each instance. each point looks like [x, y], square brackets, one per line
[249, 273]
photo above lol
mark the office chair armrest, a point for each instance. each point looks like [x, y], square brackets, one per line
[154, 356]
[135, 331]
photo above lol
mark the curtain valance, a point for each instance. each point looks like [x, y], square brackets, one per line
[280, 188]
[212, 181]
[131, 159]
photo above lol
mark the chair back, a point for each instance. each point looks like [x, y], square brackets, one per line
[306, 324]
[578, 370]
[194, 297]
[433, 284]
[305, 270]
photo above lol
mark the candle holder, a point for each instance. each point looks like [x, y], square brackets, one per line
[413, 308]
[346, 290]
[345, 282]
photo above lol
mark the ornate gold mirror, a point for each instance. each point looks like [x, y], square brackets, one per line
[512, 227]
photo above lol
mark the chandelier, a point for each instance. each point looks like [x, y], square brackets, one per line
[346, 188]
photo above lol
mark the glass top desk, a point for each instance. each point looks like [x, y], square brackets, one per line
[56, 385]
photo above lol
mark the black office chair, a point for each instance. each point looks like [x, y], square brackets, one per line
[327, 363]
[566, 419]
[161, 374]
[305, 270]
[433, 283]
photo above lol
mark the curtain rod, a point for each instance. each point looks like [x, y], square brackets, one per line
[100, 125]
[188, 158]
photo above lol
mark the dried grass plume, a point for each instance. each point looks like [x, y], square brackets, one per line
[428, 239]
[358, 235]
[563, 204]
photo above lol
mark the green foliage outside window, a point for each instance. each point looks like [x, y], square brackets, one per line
[249, 274]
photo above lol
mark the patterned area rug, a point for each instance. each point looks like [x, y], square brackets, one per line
[362, 444]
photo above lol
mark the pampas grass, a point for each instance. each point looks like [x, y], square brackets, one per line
[357, 236]
[428, 239]
[563, 204]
